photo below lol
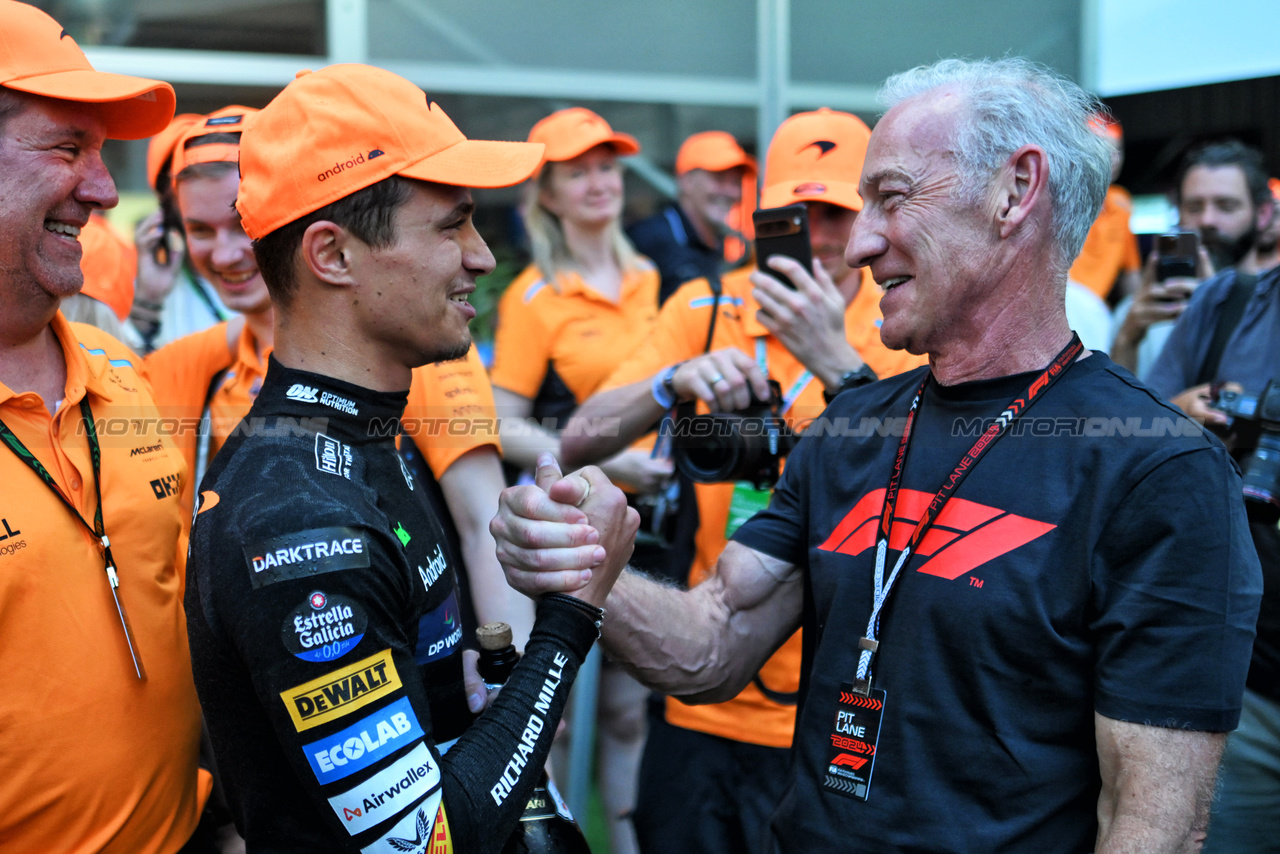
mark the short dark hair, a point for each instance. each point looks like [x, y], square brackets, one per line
[368, 214]
[1227, 152]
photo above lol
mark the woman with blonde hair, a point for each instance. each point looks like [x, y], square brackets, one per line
[587, 300]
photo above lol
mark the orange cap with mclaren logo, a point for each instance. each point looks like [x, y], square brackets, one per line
[160, 147]
[816, 157]
[714, 151]
[233, 119]
[333, 132]
[38, 56]
[568, 133]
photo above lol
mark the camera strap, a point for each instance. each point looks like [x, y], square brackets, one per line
[883, 587]
[98, 528]
[797, 388]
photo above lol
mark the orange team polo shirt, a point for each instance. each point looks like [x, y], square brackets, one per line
[570, 327]
[94, 759]
[680, 334]
[1109, 247]
[450, 411]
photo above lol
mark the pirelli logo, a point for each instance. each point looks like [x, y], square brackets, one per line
[341, 692]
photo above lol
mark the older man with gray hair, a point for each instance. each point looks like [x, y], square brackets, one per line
[1022, 631]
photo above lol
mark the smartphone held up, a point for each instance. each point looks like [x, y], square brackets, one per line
[783, 231]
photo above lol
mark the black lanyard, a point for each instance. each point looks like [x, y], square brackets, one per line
[97, 528]
[868, 643]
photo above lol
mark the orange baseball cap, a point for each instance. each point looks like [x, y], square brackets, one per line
[816, 157]
[38, 56]
[160, 147]
[109, 263]
[568, 133]
[338, 130]
[1105, 125]
[714, 151]
[233, 119]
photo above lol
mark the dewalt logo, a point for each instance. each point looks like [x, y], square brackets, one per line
[341, 692]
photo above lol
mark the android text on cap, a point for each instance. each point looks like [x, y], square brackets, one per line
[38, 56]
[714, 151]
[568, 133]
[160, 147]
[333, 132]
[233, 119]
[816, 157]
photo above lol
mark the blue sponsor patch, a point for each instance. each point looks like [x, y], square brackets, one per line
[365, 742]
[325, 628]
[439, 632]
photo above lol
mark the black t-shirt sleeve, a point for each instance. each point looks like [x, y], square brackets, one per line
[1172, 635]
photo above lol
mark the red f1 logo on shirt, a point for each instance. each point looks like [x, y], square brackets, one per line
[854, 762]
[965, 536]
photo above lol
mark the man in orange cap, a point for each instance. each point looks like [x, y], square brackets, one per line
[686, 238]
[321, 601]
[730, 757]
[1110, 250]
[101, 729]
[1008, 629]
[172, 298]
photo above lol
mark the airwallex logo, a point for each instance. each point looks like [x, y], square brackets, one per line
[388, 792]
[350, 163]
[326, 628]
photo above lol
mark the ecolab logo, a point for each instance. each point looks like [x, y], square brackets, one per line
[308, 553]
[304, 393]
[364, 743]
[341, 166]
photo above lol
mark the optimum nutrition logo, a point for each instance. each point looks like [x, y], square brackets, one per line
[350, 163]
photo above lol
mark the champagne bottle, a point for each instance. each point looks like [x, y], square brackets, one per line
[546, 826]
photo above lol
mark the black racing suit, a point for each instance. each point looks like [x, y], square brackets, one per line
[322, 613]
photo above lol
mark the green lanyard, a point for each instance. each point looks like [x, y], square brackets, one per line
[97, 528]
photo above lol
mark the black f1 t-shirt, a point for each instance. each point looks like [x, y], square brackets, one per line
[323, 617]
[1097, 559]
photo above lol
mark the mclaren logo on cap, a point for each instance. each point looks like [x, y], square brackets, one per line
[825, 145]
[430, 103]
[64, 35]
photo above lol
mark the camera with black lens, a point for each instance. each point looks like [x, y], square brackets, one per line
[729, 446]
[1256, 423]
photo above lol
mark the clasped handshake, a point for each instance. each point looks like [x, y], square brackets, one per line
[569, 534]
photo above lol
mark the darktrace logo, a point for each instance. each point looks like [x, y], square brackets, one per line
[824, 146]
[963, 537]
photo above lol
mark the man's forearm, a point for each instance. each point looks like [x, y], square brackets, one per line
[608, 422]
[1157, 786]
[703, 644]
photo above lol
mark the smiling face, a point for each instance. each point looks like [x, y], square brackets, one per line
[412, 300]
[51, 178]
[709, 197]
[586, 191]
[220, 250]
[926, 246]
